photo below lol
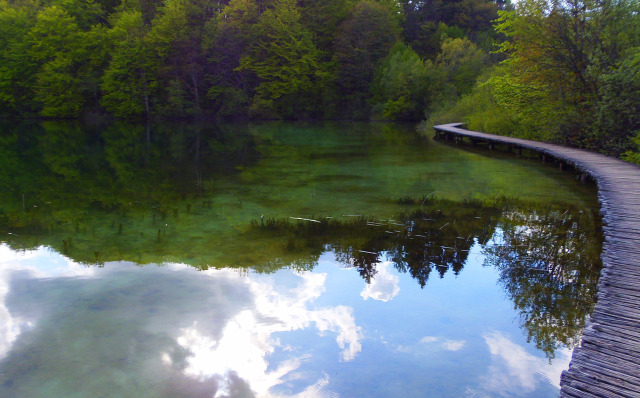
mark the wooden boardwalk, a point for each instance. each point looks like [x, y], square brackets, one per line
[608, 362]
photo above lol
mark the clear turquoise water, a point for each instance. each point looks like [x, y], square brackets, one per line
[285, 260]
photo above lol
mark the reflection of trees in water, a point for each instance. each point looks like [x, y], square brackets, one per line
[437, 237]
[549, 263]
[548, 258]
[116, 194]
[55, 175]
[440, 242]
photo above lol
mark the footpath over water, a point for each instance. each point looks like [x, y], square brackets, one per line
[607, 364]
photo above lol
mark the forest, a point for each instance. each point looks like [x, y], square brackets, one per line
[560, 71]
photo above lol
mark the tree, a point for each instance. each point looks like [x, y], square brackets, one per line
[16, 67]
[564, 51]
[227, 40]
[401, 84]
[56, 45]
[322, 17]
[93, 60]
[461, 62]
[619, 106]
[362, 41]
[87, 13]
[285, 60]
[422, 25]
[177, 44]
[51, 62]
[130, 78]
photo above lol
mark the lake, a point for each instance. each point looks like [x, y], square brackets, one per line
[276, 259]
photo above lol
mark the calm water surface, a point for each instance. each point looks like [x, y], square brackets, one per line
[285, 260]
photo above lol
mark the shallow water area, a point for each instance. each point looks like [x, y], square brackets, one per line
[286, 260]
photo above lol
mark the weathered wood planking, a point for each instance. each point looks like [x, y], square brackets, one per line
[608, 362]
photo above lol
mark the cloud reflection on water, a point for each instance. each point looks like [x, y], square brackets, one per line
[383, 286]
[444, 343]
[515, 372]
[166, 331]
[224, 345]
[247, 339]
[25, 261]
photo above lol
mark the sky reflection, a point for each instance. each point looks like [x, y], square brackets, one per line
[36, 263]
[248, 338]
[515, 372]
[166, 331]
[227, 350]
[383, 286]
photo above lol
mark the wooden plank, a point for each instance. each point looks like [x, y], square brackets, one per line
[614, 360]
[619, 290]
[608, 376]
[608, 362]
[570, 392]
[592, 385]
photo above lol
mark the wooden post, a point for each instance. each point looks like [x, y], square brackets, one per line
[584, 177]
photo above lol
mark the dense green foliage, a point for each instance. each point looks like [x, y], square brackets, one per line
[566, 72]
[239, 58]
[571, 76]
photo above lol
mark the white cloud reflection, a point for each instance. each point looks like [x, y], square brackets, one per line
[247, 339]
[39, 264]
[446, 344]
[513, 371]
[228, 349]
[9, 326]
[383, 286]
